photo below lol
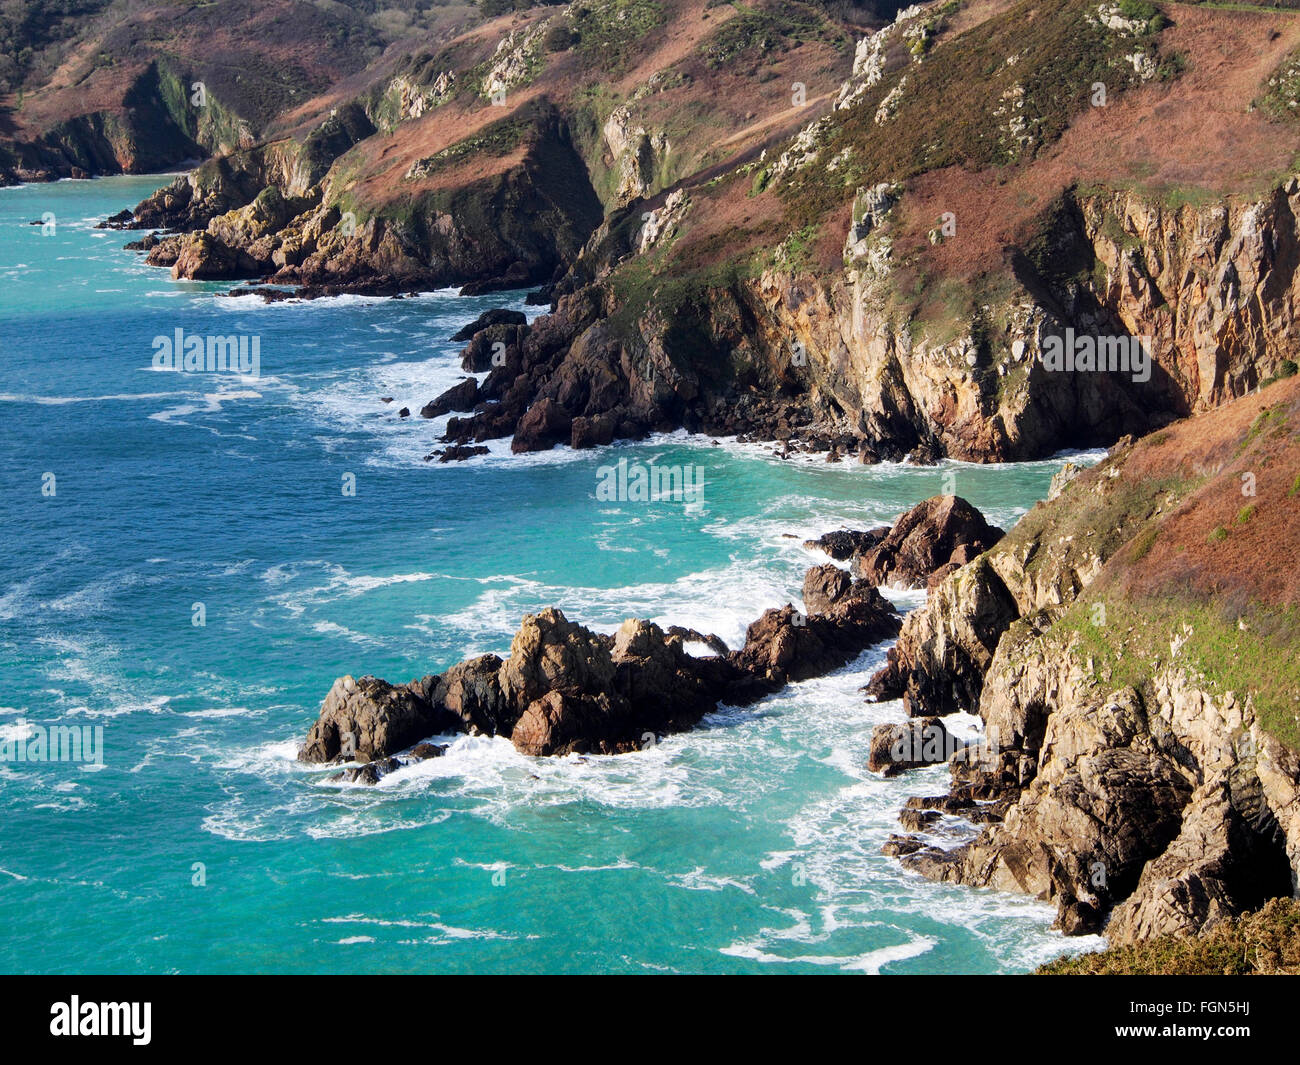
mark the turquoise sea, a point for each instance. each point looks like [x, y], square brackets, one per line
[200, 845]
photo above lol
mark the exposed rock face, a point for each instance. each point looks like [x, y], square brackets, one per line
[922, 741]
[202, 257]
[823, 586]
[938, 665]
[492, 346]
[565, 689]
[562, 722]
[784, 645]
[273, 211]
[550, 652]
[472, 691]
[867, 384]
[1161, 805]
[369, 718]
[931, 540]
[544, 425]
[610, 699]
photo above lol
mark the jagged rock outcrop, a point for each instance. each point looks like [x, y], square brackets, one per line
[922, 741]
[843, 544]
[1135, 788]
[495, 316]
[369, 718]
[472, 691]
[823, 586]
[930, 541]
[459, 397]
[278, 211]
[565, 689]
[939, 663]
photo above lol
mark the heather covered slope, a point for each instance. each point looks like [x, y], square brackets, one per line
[886, 281]
[798, 221]
[1132, 646]
[112, 87]
[1264, 943]
[490, 155]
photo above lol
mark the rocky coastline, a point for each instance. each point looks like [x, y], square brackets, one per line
[1119, 775]
[856, 280]
[564, 689]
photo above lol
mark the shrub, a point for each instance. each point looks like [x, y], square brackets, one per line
[560, 38]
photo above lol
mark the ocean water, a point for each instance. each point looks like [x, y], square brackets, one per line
[201, 845]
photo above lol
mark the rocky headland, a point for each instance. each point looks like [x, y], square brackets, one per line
[1131, 646]
[564, 689]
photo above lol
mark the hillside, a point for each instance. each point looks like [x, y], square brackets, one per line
[795, 221]
[1132, 648]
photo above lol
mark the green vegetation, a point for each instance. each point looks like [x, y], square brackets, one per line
[1281, 95]
[609, 31]
[1245, 514]
[1270, 421]
[1218, 536]
[771, 27]
[1103, 521]
[560, 37]
[1246, 650]
[995, 95]
[1144, 541]
[1286, 368]
[1263, 943]
[29, 29]
[1143, 11]
[494, 8]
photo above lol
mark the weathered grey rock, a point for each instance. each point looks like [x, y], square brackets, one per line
[944, 650]
[922, 741]
[472, 691]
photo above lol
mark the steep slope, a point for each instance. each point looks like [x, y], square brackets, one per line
[751, 224]
[1138, 681]
[140, 87]
[893, 279]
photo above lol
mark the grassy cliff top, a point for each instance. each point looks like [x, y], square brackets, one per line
[1264, 943]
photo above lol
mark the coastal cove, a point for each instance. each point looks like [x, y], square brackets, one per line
[751, 843]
